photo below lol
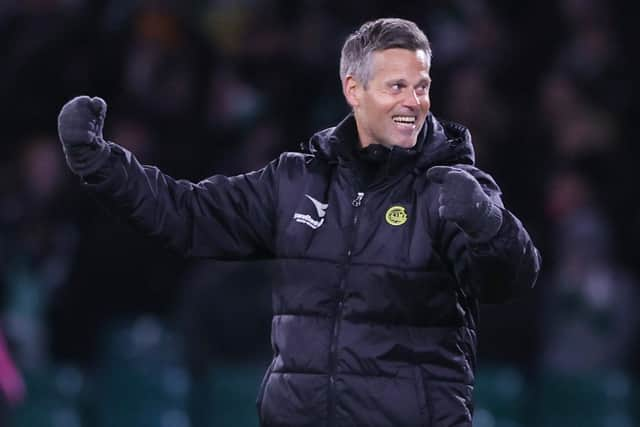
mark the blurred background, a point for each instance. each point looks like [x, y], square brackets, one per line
[101, 327]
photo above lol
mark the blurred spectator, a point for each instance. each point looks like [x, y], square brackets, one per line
[592, 55]
[42, 236]
[589, 317]
[475, 103]
[162, 64]
[12, 389]
[232, 101]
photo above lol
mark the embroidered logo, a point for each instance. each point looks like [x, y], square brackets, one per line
[396, 215]
[321, 210]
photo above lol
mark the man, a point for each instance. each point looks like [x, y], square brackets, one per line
[386, 234]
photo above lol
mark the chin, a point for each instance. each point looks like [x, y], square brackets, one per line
[392, 139]
[407, 143]
[404, 141]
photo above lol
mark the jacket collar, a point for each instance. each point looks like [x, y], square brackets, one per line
[439, 142]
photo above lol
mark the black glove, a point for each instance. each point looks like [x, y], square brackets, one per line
[462, 200]
[80, 130]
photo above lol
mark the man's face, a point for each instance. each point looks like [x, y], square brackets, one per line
[393, 107]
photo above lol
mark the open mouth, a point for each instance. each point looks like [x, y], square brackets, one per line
[406, 122]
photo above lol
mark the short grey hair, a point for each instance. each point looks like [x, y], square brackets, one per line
[372, 36]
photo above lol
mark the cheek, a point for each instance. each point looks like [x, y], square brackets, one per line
[384, 103]
[380, 110]
[425, 103]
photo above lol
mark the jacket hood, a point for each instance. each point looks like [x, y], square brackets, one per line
[439, 142]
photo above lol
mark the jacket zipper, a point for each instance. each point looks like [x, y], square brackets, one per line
[333, 353]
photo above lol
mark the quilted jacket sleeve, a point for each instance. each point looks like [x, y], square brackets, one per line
[503, 267]
[219, 217]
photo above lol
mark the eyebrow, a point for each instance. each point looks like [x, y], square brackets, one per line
[404, 81]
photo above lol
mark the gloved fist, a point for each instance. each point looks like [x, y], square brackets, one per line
[462, 200]
[80, 126]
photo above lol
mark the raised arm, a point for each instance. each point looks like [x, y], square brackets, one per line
[220, 217]
[488, 247]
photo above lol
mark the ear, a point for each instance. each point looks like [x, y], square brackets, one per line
[351, 90]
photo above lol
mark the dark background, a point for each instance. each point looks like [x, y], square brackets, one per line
[108, 328]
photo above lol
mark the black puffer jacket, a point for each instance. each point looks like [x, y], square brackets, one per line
[375, 309]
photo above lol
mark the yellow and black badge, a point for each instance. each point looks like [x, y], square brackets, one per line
[396, 215]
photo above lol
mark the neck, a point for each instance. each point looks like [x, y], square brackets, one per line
[363, 139]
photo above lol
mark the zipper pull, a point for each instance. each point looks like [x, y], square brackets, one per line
[358, 200]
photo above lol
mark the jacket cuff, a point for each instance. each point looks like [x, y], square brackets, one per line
[85, 160]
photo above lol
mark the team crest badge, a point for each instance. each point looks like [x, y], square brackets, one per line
[396, 215]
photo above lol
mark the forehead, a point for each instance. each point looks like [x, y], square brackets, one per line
[400, 63]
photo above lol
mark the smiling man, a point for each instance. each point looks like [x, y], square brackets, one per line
[391, 106]
[387, 235]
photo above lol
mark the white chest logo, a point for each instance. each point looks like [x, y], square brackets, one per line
[321, 210]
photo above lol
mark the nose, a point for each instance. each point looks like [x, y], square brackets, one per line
[412, 99]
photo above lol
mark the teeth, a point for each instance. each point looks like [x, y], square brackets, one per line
[404, 119]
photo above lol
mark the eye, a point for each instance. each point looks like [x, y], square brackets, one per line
[422, 89]
[397, 87]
